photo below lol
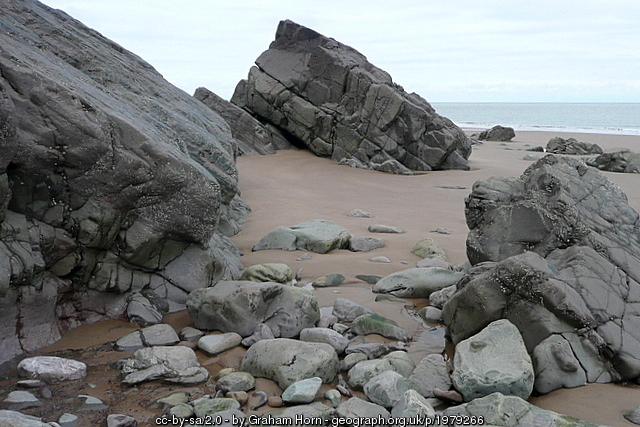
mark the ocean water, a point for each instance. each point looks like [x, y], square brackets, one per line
[584, 117]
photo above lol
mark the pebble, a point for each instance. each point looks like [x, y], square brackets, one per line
[380, 259]
[241, 396]
[275, 401]
[304, 257]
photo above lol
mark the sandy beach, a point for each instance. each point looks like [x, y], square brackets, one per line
[296, 186]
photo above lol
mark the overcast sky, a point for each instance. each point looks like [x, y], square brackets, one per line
[456, 51]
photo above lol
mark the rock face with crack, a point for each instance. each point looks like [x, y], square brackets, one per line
[329, 98]
[113, 182]
[556, 252]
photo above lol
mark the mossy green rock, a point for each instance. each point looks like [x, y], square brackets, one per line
[429, 248]
[376, 324]
[269, 272]
[205, 406]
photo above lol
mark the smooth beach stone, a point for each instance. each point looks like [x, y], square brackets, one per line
[347, 311]
[287, 361]
[494, 360]
[430, 314]
[206, 406]
[51, 369]
[417, 282]
[69, 420]
[365, 244]
[302, 391]
[181, 410]
[241, 396]
[11, 418]
[350, 360]
[376, 324]
[189, 333]
[90, 404]
[31, 383]
[371, 350]
[269, 272]
[325, 335]
[363, 371]
[358, 408]
[328, 280]
[401, 362]
[381, 259]
[412, 404]
[216, 344]
[359, 213]
[236, 381]
[386, 389]
[371, 279]
[129, 342]
[431, 372]
[19, 400]
[121, 420]
[334, 397]
[318, 235]
[174, 399]
[380, 228]
[429, 248]
[160, 334]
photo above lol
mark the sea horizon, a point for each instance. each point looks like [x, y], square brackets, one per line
[619, 118]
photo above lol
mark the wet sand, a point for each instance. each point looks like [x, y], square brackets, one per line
[296, 186]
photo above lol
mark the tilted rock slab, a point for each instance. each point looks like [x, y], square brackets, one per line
[112, 181]
[332, 100]
[565, 252]
[287, 361]
[239, 306]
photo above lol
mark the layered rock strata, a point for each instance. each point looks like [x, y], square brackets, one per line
[329, 98]
[556, 252]
[113, 182]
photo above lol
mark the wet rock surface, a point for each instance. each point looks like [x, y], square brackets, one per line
[329, 98]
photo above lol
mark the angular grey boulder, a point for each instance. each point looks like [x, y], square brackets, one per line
[240, 306]
[365, 244]
[624, 161]
[287, 361]
[332, 100]
[494, 360]
[417, 282]
[386, 389]
[571, 146]
[358, 408]
[347, 311]
[431, 372]
[497, 133]
[318, 235]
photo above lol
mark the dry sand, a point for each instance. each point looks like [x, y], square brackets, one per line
[296, 186]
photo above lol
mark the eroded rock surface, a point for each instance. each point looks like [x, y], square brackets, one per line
[563, 247]
[112, 181]
[332, 100]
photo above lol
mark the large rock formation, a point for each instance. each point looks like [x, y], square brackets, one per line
[252, 136]
[113, 182]
[331, 99]
[563, 252]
